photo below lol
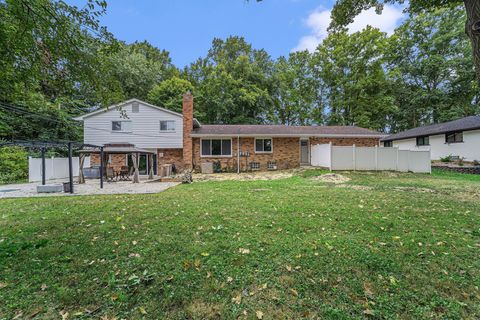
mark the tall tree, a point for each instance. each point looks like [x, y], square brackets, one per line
[345, 11]
[352, 70]
[138, 67]
[295, 90]
[431, 66]
[168, 94]
[233, 82]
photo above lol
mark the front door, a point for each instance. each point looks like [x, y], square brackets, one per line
[304, 152]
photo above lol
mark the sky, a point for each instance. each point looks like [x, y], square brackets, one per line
[186, 28]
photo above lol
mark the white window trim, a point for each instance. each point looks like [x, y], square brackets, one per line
[121, 131]
[214, 156]
[166, 131]
[262, 138]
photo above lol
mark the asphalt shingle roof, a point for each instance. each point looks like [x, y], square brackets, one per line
[464, 124]
[284, 130]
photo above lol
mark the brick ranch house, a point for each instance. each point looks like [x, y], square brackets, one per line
[182, 140]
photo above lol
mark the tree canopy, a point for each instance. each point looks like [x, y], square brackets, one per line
[58, 62]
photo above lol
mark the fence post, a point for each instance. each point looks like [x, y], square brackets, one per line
[354, 148]
[331, 156]
[70, 167]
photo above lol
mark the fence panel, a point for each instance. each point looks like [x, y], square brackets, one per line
[343, 158]
[370, 158]
[321, 155]
[55, 168]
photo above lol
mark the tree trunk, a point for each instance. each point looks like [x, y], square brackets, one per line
[473, 15]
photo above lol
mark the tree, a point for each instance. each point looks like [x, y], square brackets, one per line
[233, 82]
[138, 67]
[295, 90]
[168, 94]
[351, 67]
[432, 70]
[345, 11]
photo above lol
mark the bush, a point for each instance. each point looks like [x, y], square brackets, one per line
[446, 158]
[13, 165]
[461, 162]
[476, 163]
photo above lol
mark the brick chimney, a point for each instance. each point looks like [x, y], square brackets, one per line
[187, 111]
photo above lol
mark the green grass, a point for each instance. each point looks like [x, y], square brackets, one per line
[403, 246]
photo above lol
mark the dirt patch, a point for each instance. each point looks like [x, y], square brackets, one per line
[415, 189]
[245, 176]
[332, 178]
[355, 187]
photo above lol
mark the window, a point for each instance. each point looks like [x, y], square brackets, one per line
[255, 165]
[216, 147]
[135, 107]
[454, 137]
[167, 125]
[263, 145]
[122, 126]
[388, 144]
[423, 141]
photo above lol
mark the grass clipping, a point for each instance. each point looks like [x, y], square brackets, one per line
[334, 178]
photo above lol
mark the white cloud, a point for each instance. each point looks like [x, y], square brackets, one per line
[319, 20]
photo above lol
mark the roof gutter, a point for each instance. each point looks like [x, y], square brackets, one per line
[202, 135]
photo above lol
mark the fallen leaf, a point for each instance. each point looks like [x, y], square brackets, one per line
[35, 312]
[294, 292]
[289, 268]
[3, 285]
[204, 254]
[244, 251]
[229, 279]
[44, 287]
[142, 310]
[259, 314]
[237, 299]
[368, 312]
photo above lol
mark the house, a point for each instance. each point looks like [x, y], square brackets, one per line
[460, 138]
[182, 140]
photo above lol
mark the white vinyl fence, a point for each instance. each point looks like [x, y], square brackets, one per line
[55, 168]
[370, 158]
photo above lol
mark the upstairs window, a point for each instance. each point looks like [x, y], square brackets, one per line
[263, 145]
[122, 126]
[388, 144]
[423, 141]
[454, 137]
[216, 147]
[167, 125]
[135, 107]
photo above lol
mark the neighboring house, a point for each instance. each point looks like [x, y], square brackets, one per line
[460, 138]
[181, 140]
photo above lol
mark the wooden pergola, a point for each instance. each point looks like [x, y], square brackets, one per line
[117, 148]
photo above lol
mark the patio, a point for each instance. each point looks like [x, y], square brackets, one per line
[90, 187]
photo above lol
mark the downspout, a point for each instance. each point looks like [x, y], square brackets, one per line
[238, 154]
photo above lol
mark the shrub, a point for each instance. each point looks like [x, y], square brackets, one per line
[446, 158]
[460, 162]
[13, 164]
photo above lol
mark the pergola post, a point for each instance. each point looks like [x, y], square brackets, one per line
[136, 173]
[70, 166]
[43, 167]
[150, 166]
[101, 167]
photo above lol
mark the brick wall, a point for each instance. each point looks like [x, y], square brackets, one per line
[170, 156]
[359, 142]
[286, 153]
[117, 160]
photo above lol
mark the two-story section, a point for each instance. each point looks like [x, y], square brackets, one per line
[137, 123]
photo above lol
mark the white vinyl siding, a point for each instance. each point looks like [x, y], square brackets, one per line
[144, 132]
[469, 148]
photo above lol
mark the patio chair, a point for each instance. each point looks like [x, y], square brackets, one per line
[110, 175]
[124, 173]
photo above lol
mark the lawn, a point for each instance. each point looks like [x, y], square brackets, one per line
[379, 246]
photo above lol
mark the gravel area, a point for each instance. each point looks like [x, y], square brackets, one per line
[91, 187]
